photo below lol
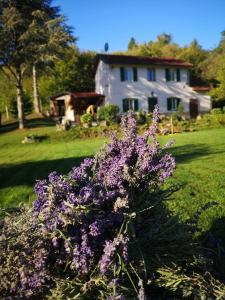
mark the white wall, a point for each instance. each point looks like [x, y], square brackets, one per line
[108, 83]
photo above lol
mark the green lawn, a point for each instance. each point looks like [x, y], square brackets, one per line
[200, 170]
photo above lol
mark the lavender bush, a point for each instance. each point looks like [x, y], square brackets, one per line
[88, 213]
[98, 232]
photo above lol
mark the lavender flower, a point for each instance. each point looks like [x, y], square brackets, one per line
[90, 205]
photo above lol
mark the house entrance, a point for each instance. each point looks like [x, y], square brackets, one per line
[152, 101]
[193, 108]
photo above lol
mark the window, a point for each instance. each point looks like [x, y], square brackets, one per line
[152, 101]
[128, 74]
[130, 104]
[172, 74]
[151, 75]
[173, 103]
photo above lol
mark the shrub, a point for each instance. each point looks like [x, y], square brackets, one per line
[141, 117]
[180, 111]
[216, 111]
[108, 112]
[86, 118]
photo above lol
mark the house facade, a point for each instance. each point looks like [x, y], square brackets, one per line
[138, 83]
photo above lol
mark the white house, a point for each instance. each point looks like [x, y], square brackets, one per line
[139, 82]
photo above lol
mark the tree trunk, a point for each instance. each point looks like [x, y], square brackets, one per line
[19, 96]
[7, 112]
[37, 103]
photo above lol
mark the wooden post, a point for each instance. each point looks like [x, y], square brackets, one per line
[171, 124]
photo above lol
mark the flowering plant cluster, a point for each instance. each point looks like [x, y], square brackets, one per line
[90, 217]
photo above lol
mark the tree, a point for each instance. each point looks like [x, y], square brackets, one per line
[132, 44]
[218, 93]
[7, 94]
[195, 55]
[74, 73]
[19, 45]
[213, 70]
[164, 39]
[50, 36]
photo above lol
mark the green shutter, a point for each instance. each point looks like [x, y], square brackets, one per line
[168, 75]
[169, 104]
[178, 74]
[136, 105]
[122, 74]
[125, 105]
[135, 74]
[154, 76]
[178, 102]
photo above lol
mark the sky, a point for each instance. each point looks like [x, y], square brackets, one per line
[96, 22]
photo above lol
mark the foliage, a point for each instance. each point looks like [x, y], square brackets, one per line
[215, 119]
[108, 112]
[213, 70]
[8, 93]
[180, 111]
[218, 93]
[28, 105]
[165, 47]
[86, 118]
[75, 73]
[164, 39]
[141, 117]
[50, 37]
[29, 31]
[216, 111]
[195, 55]
[132, 44]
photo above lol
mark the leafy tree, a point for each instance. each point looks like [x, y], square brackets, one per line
[132, 44]
[195, 55]
[164, 39]
[214, 71]
[51, 36]
[218, 93]
[19, 45]
[27, 102]
[74, 73]
[7, 94]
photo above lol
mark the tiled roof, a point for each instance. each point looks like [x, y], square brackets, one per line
[201, 88]
[87, 95]
[78, 95]
[142, 60]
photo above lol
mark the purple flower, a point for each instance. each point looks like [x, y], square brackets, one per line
[89, 206]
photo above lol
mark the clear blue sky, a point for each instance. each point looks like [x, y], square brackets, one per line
[116, 21]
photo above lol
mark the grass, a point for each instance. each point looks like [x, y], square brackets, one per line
[200, 170]
[22, 164]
